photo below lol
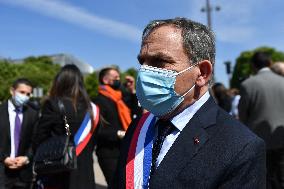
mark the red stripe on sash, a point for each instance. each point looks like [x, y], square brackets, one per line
[131, 154]
[84, 143]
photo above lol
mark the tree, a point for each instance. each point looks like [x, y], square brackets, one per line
[7, 74]
[131, 71]
[243, 70]
[91, 84]
[39, 70]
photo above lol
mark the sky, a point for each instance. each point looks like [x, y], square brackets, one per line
[108, 32]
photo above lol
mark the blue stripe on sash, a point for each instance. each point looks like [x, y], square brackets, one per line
[81, 129]
[147, 161]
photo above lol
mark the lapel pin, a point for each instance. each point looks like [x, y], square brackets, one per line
[196, 140]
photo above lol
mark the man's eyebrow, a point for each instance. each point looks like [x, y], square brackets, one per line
[158, 55]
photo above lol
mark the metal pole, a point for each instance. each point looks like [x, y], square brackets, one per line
[208, 11]
[228, 71]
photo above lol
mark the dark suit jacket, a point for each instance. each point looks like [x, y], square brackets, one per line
[51, 122]
[2, 179]
[227, 156]
[108, 143]
[261, 107]
[30, 118]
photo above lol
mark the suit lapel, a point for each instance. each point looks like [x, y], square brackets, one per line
[192, 138]
[5, 128]
[6, 121]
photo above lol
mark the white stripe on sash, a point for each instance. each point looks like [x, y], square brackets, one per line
[139, 154]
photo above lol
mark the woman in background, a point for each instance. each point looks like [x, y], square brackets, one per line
[68, 86]
[222, 97]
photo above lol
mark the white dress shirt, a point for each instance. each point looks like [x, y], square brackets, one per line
[12, 117]
[180, 121]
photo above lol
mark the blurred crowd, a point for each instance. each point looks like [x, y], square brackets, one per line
[25, 124]
[259, 105]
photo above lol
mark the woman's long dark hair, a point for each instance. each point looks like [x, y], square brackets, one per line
[69, 83]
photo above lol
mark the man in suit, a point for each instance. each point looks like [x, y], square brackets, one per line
[17, 122]
[261, 109]
[186, 141]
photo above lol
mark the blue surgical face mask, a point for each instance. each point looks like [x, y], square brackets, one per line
[20, 99]
[155, 89]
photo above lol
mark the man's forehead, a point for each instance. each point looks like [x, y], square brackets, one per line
[165, 32]
[113, 72]
[165, 39]
[23, 86]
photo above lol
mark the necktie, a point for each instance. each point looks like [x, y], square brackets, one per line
[17, 130]
[164, 129]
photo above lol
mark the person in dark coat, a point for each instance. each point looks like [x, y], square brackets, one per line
[118, 105]
[68, 86]
[186, 140]
[222, 97]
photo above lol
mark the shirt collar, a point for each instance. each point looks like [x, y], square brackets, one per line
[180, 120]
[12, 107]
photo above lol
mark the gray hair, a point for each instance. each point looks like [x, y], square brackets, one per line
[198, 39]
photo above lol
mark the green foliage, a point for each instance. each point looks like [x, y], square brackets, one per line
[41, 59]
[7, 74]
[39, 70]
[131, 71]
[91, 84]
[243, 70]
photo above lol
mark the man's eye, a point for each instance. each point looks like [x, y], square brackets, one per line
[24, 93]
[158, 62]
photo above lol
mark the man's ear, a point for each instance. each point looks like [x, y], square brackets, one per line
[12, 91]
[205, 73]
[105, 80]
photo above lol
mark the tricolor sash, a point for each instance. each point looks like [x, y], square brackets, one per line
[85, 132]
[139, 158]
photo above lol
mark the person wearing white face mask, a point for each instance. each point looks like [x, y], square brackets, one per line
[186, 140]
[17, 123]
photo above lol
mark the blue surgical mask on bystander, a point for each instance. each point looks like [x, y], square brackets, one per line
[20, 99]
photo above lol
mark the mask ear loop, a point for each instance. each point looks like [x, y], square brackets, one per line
[188, 91]
[185, 71]
[176, 74]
